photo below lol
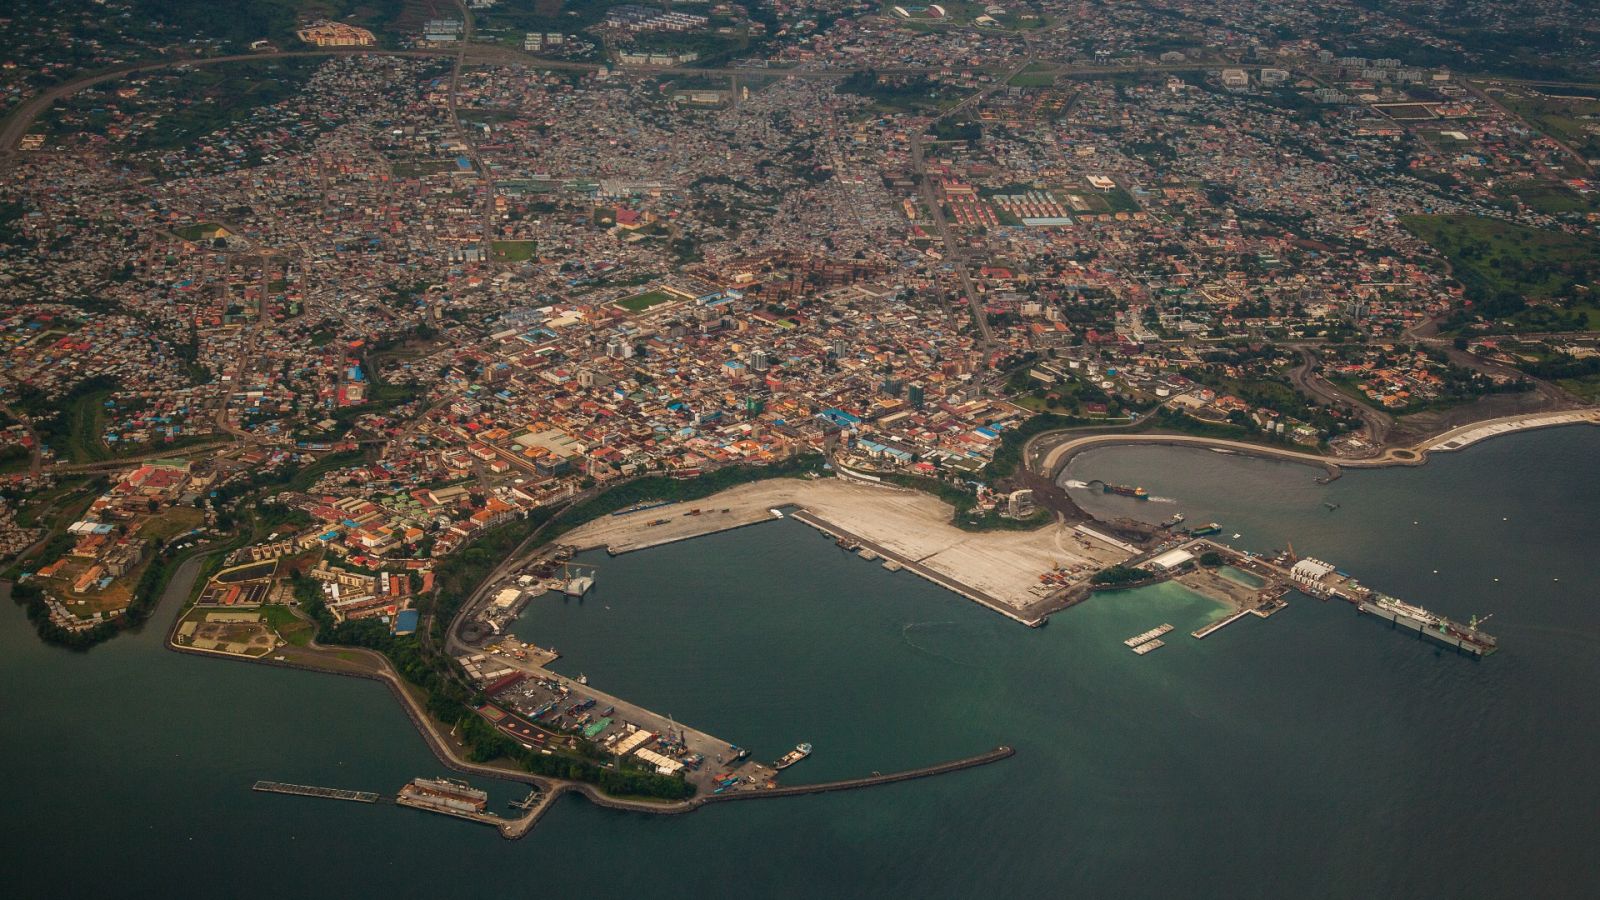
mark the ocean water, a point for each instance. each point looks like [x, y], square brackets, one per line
[1313, 754]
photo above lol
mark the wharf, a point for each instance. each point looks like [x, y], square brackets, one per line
[306, 790]
[1218, 625]
[967, 591]
[482, 818]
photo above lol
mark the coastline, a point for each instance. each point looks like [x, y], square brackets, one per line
[551, 788]
[1050, 459]
[904, 528]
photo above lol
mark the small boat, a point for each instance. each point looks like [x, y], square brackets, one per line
[1331, 506]
[584, 679]
[793, 756]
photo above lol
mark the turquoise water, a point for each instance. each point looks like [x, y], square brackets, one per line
[1239, 576]
[1313, 754]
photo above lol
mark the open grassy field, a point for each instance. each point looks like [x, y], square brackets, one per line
[290, 627]
[1498, 262]
[172, 522]
[1035, 75]
[642, 302]
[1550, 197]
[513, 251]
[194, 232]
[1561, 117]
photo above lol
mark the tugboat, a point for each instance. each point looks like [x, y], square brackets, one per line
[793, 756]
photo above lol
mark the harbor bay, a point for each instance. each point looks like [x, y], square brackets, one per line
[1266, 757]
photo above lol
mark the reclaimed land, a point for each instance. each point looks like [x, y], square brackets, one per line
[422, 680]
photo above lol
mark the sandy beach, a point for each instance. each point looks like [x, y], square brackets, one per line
[1000, 569]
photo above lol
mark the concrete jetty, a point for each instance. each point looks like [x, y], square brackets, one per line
[944, 581]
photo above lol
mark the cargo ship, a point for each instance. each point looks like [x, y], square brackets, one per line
[793, 756]
[1429, 624]
[1203, 530]
[1137, 493]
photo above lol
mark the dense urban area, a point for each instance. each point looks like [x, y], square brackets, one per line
[383, 309]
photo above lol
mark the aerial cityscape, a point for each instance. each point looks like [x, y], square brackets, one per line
[549, 369]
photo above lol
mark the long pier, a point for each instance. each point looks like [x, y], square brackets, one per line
[848, 784]
[306, 790]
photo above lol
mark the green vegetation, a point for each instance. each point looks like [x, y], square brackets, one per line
[899, 93]
[290, 627]
[147, 593]
[1211, 559]
[275, 20]
[1566, 118]
[642, 302]
[512, 251]
[195, 231]
[1120, 575]
[1527, 275]
[10, 214]
[1008, 456]
[1548, 197]
[1035, 75]
[1579, 377]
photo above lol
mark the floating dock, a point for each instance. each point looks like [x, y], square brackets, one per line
[1148, 636]
[1147, 646]
[306, 790]
[1428, 625]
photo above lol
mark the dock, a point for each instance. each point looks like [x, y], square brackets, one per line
[1218, 625]
[482, 818]
[1147, 646]
[1148, 636]
[1437, 629]
[306, 790]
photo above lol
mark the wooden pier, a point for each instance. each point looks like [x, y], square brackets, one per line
[306, 790]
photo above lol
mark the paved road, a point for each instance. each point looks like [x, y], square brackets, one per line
[1375, 424]
[955, 253]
